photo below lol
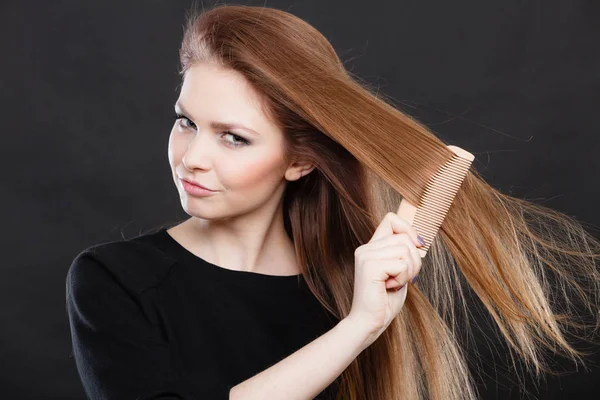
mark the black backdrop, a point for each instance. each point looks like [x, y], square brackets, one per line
[87, 94]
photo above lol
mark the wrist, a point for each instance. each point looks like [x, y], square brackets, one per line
[358, 331]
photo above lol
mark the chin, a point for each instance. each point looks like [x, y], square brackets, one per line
[193, 209]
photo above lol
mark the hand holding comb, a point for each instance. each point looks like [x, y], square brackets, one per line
[375, 262]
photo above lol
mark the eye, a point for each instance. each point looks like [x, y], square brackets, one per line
[184, 118]
[240, 140]
[237, 142]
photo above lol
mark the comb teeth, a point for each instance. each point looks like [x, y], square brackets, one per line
[439, 194]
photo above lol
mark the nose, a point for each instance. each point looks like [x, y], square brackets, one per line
[199, 152]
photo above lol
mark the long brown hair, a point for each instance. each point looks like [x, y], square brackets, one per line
[531, 267]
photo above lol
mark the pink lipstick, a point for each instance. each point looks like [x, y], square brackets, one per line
[195, 190]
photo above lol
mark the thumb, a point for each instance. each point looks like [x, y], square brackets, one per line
[385, 227]
[401, 221]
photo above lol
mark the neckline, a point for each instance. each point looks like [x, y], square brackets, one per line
[254, 279]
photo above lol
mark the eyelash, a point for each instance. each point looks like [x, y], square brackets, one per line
[242, 141]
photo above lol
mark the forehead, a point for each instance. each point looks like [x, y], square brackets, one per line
[210, 92]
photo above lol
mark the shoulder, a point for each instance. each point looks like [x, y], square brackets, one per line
[133, 263]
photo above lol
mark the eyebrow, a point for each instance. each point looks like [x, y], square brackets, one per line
[217, 124]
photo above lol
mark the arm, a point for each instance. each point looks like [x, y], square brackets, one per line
[308, 371]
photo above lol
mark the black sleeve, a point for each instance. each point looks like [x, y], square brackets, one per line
[118, 352]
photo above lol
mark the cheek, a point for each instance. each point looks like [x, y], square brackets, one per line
[257, 172]
[176, 148]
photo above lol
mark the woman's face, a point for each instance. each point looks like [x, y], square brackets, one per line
[244, 169]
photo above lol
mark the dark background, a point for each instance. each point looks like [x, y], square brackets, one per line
[87, 94]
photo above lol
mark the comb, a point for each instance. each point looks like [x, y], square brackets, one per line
[427, 217]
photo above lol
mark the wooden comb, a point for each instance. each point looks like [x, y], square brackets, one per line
[427, 217]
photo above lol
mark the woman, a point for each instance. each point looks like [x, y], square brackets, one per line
[283, 283]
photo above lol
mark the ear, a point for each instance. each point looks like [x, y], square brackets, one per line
[298, 169]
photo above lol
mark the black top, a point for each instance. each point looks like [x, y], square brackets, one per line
[151, 320]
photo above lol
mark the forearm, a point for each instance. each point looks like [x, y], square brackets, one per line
[307, 372]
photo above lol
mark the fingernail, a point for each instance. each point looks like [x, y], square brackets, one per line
[414, 279]
[420, 239]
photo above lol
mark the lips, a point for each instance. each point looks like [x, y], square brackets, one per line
[196, 184]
